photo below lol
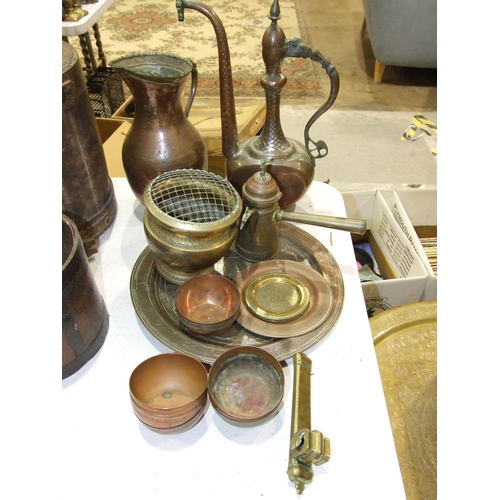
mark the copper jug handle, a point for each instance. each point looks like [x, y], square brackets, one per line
[194, 85]
[295, 48]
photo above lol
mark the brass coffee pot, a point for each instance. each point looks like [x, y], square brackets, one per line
[258, 236]
[292, 163]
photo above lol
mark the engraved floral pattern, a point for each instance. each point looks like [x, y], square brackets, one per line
[131, 26]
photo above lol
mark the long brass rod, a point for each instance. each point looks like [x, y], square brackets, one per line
[298, 472]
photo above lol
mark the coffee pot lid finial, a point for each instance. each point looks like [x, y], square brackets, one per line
[261, 186]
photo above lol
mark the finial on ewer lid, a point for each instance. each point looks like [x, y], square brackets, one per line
[275, 12]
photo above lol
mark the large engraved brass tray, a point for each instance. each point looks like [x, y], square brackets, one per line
[405, 340]
[153, 300]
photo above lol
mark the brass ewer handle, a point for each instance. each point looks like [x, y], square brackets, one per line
[307, 447]
[295, 48]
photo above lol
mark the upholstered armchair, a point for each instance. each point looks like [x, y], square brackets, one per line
[402, 33]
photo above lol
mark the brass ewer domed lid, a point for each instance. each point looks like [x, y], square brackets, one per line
[261, 188]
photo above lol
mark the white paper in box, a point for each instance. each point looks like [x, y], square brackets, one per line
[401, 217]
[408, 276]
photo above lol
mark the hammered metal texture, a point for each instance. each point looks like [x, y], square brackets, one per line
[153, 300]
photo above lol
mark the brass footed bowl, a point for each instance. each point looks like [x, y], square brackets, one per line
[191, 220]
[207, 304]
[168, 391]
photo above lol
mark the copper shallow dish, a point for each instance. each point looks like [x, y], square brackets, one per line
[246, 386]
[277, 297]
[153, 300]
[319, 307]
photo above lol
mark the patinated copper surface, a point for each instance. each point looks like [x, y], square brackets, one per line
[208, 304]
[293, 163]
[246, 386]
[153, 300]
[168, 390]
[88, 197]
[321, 301]
[161, 137]
[85, 318]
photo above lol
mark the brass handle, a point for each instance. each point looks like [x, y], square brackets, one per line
[307, 448]
[357, 226]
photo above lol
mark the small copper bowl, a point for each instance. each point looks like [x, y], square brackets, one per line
[168, 391]
[207, 304]
[246, 386]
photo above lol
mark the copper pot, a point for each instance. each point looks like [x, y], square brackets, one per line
[88, 197]
[85, 318]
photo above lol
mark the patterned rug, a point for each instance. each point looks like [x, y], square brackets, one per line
[131, 26]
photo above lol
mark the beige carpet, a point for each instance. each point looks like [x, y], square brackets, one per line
[143, 26]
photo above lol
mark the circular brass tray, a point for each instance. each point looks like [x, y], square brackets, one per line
[320, 300]
[276, 296]
[405, 339]
[153, 300]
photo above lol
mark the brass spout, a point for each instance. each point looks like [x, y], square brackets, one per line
[357, 226]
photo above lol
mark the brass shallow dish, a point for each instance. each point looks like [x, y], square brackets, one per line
[319, 306]
[405, 339]
[153, 300]
[277, 297]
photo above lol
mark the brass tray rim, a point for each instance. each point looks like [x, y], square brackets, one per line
[280, 348]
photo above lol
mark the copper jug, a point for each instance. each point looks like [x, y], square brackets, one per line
[161, 137]
[292, 162]
[88, 197]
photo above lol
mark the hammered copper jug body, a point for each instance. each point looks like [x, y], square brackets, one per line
[161, 137]
[85, 318]
[88, 197]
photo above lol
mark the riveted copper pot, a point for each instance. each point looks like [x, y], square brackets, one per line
[191, 220]
[85, 318]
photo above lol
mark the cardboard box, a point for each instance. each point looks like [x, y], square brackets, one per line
[204, 115]
[408, 276]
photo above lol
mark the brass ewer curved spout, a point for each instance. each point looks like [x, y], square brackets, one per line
[292, 162]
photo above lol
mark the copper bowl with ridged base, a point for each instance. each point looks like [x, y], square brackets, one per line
[169, 391]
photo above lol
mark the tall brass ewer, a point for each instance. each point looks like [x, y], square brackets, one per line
[292, 162]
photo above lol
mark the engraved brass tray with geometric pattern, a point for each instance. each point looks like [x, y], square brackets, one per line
[153, 300]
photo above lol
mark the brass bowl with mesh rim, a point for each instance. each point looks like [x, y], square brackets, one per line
[190, 221]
